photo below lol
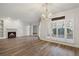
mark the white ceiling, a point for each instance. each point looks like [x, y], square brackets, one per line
[30, 12]
[58, 7]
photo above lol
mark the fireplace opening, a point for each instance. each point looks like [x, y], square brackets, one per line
[11, 34]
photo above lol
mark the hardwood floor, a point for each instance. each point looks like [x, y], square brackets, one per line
[32, 46]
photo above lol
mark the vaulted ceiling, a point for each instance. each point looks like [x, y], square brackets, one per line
[58, 7]
[30, 13]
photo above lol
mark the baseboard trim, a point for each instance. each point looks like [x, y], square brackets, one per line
[69, 45]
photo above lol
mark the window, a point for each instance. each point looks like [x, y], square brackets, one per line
[69, 29]
[54, 32]
[62, 28]
[1, 28]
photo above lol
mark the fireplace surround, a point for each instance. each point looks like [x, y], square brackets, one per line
[11, 34]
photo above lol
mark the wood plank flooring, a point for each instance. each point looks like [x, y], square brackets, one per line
[32, 46]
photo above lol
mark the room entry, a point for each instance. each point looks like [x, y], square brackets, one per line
[35, 30]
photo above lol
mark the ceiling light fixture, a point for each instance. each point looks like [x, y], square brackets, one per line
[45, 12]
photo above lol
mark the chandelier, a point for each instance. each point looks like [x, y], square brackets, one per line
[45, 11]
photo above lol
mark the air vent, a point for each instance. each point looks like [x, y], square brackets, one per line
[58, 18]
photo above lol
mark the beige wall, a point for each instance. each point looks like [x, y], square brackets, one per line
[44, 27]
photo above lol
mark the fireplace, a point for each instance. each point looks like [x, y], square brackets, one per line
[11, 34]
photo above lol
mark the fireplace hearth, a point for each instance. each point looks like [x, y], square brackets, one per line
[11, 34]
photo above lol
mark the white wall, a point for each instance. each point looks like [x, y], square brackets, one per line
[16, 24]
[31, 30]
[69, 14]
[27, 30]
[43, 29]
